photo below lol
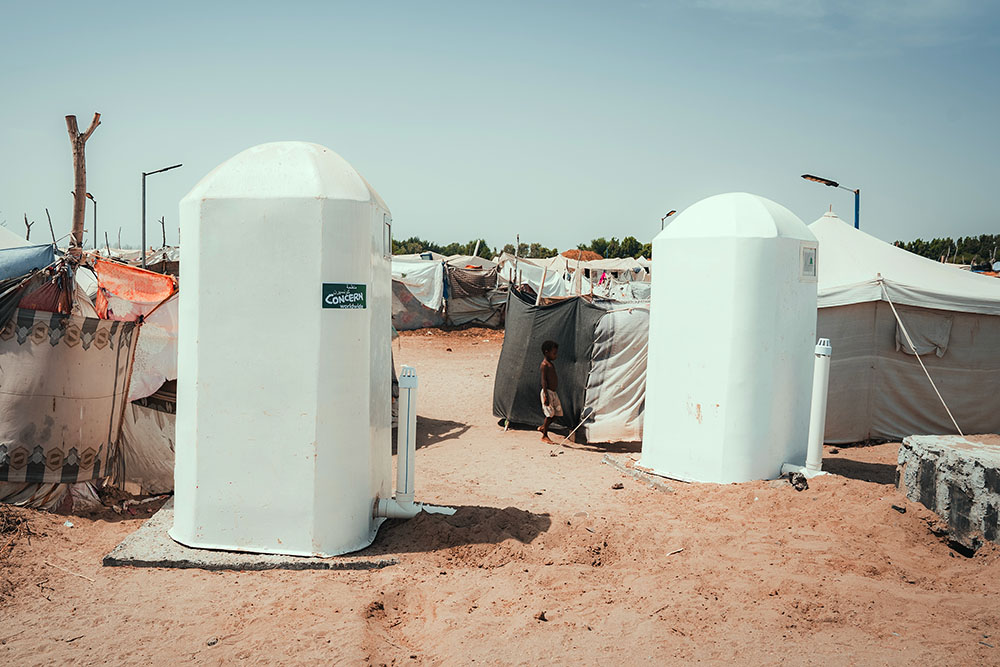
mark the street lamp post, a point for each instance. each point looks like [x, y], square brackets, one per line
[835, 184]
[91, 198]
[144, 175]
[664, 218]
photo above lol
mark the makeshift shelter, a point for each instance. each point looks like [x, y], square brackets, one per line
[451, 292]
[417, 293]
[601, 365]
[877, 386]
[68, 365]
[473, 297]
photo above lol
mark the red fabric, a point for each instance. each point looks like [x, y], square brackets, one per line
[50, 297]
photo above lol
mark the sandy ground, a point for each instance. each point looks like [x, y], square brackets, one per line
[755, 573]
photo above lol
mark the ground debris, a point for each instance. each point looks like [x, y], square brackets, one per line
[13, 526]
[541, 616]
[798, 481]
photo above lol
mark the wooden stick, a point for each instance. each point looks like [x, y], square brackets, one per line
[51, 231]
[27, 225]
[82, 576]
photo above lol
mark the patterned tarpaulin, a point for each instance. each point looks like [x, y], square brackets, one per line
[63, 379]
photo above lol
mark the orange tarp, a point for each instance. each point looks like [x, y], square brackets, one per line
[144, 289]
[582, 255]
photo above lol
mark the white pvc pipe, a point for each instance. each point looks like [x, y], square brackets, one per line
[391, 509]
[402, 505]
[817, 414]
[406, 435]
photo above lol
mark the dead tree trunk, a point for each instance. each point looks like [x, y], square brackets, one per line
[79, 141]
[163, 230]
[27, 227]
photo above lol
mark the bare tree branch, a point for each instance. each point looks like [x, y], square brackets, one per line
[93, 126]
[27, 226]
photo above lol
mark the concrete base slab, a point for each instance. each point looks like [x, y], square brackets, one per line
[629, 467]
[956, 477]
[150, 546]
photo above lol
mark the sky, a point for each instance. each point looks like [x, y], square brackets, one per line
[558, 121]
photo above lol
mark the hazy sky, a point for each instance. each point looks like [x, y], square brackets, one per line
[561, 121]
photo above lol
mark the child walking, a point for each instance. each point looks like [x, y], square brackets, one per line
[551, 407]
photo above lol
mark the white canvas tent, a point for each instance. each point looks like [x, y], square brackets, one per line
[9, 239]
[877, 388]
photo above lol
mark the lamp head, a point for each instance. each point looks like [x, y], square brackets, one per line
[819, 179]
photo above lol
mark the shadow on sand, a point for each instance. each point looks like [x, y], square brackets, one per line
[433, 431]
[605, 447]
[878, 473]
[558, 433]
[470, 525]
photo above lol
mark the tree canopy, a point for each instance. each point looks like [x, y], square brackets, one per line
[615, 249]
[415, 245]
[979, 251]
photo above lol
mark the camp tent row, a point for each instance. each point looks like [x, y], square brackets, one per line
[878, 389]
[624, 279]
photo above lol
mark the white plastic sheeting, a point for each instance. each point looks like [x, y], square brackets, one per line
[730, 342]
[848, 274]
[147, 449]
[156, 351]
[424, 278]
[530, 272]
[616, 385]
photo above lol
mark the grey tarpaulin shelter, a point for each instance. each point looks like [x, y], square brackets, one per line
[601, 365]
[877, 388]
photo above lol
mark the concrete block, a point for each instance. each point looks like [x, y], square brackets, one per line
[956, 477]
[150, 546]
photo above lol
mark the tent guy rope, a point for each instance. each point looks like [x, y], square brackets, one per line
[909, 341]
